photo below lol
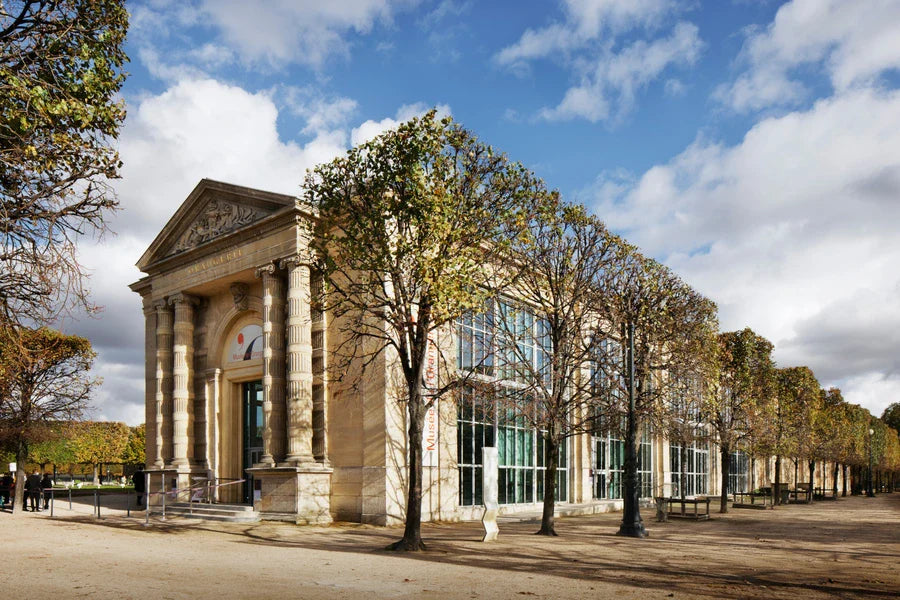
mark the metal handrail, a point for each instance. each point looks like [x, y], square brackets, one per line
[208, 485]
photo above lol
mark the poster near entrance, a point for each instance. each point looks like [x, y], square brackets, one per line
[430, 433]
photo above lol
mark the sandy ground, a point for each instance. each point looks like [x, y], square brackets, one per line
[848, 548]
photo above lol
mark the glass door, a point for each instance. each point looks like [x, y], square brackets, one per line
[252, 432]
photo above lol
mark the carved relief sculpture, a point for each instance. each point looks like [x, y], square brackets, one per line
[217, 218]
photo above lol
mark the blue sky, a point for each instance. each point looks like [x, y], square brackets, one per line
[753, 146]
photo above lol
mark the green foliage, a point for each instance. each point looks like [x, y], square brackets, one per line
[60, 74]
[891, 416]
[410, 225]
[133, 454]
[44, 380]
[98, 442]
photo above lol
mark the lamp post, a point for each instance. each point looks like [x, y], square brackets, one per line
[869, 491]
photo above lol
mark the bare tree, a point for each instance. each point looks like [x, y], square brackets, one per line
[561, 257]
[43, 379]
[651, 313]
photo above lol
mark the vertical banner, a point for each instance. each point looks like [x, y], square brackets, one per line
[430, 433]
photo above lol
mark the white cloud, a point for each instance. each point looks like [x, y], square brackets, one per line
[609, 72]
[618, 76]
[855, 42]
[370, 129]
[792, 232]
[302, 31]
[585, 20]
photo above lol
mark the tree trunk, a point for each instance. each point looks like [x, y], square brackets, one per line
[752, 473]
[844, 480]
[776, 496]
[682, 456]
[632, 524]
[19, 497]
[96, 469]
[552, 446]
[726, 471]
[834, 478]
[412, 533]
[812, 473]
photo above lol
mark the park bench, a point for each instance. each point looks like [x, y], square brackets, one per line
[824, 494]
[678, 508]
[802, 494]
[760, 500]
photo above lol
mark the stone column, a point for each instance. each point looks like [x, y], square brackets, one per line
[150, 446]
[183, 376]
[300, 375]
[273, 365]
[163, 399]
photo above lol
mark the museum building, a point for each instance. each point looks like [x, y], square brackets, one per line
[238, 392]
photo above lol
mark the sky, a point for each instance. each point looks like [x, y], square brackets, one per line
[753, 146]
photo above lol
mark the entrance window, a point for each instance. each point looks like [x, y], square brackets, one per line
[252, 430]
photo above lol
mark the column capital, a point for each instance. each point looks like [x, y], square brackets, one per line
[267, 269]
[303, 258]
[182, 298]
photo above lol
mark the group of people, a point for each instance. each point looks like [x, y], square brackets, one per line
[34, 490]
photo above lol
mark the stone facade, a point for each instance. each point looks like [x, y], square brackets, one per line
[238, 386]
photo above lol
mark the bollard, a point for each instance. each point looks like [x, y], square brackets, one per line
[52, 495]
[163, 496]
[70, 498]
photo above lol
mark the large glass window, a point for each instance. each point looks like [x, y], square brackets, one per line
[507, 345]
[738, 472]
[696, 471]
[609, 465]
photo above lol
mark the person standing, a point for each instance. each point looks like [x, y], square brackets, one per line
[6, 484]
[139, 482]
[33, 489]
[46, 484]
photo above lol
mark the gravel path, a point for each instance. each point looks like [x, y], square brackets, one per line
[848, 548]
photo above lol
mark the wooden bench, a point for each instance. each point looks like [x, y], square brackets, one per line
[801, 495]
[824, 494]
[678, 508]
[759, 500]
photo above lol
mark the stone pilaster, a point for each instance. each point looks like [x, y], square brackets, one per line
[183, 376]
[319, 320]
[299, 361]
[163, 397]
[213, 406]
[150, 447]
[273, 365]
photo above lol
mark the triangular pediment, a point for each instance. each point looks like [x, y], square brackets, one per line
[211, 211]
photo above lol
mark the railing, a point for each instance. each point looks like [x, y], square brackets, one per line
[195, 493]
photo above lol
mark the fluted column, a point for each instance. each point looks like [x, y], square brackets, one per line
[183, 376]
[273, 365]
[299, 361]
[163, 398]
[213, 402]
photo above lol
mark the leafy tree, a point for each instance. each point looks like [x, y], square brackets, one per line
[98, 442]
[796, 389]
[651, 312]
[891, 416]
[561, 256]
[738, 393]
[408, 224]
[60, 74]
[55, 449]
[134, 449]
[43, 380]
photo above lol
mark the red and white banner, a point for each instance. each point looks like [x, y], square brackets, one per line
[430, 433]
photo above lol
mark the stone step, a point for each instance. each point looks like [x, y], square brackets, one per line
[213, 512]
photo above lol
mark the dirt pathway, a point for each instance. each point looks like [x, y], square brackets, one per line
[844, 549]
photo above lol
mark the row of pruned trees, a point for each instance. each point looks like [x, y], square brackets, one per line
[66, 446]
[426, 224]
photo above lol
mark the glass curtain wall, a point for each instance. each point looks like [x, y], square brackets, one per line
[484, 351]
[696, 475]
[739, 472]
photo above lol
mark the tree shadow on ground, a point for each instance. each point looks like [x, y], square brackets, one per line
[782, 553]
